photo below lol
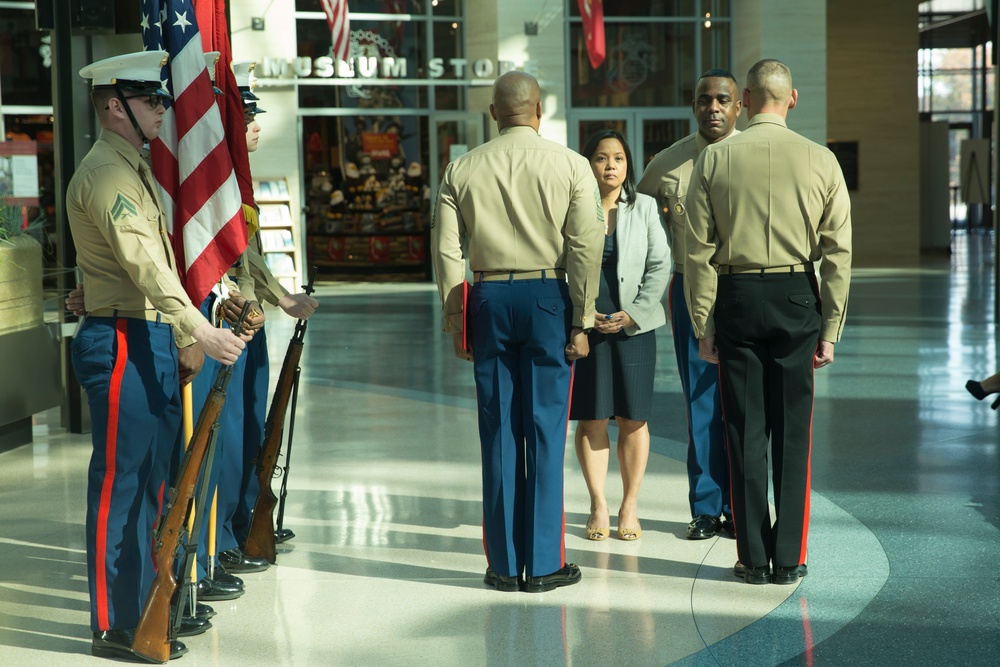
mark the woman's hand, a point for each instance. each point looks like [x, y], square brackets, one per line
[613, 323]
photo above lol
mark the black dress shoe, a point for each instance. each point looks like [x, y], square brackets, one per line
[235, 560]
[501, 582]
[203, 611]
[223, 577]
[752, 575]
[118, 644]
[192, 625]
[703, 527]
[727, 528]
[789, 575]
[210, 589]
[567, 575]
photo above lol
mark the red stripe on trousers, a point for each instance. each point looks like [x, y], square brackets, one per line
[569, 408]
[110, 451]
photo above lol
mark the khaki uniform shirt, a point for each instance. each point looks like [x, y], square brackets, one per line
[121, 239]
[666, 180]
[767, 198]
[518, 203]
[253, 279]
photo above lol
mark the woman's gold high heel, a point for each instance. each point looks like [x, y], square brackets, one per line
[598, 534]
[629, 534]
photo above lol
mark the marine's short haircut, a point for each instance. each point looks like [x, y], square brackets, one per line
[717, 73]
[770, 78]
[100, 97]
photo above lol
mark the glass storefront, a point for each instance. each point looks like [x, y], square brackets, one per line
[372, 154]
[26, 98]
[378, 129]
[655, 51]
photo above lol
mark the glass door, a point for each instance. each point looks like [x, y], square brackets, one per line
[452, 134]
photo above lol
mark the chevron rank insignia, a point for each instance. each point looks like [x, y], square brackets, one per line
[123, 208]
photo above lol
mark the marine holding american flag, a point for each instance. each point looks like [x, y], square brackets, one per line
[125, 354]
[238, 488]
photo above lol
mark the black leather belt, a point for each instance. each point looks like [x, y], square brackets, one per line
[519, 275]
[148, 315]
[731, 270]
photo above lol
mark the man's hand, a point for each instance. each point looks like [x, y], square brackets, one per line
[707, 350]
[220, 344]
[74, 301]
[300, 306]
[578, 346]
[233, 306]
[190, 359]
[824, 354]
[459, 352]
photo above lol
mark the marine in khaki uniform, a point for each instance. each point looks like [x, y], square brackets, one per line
[716, 107]
[765, 210]
[528, 212]
[214, 581]
[125, 355]
[238, 487]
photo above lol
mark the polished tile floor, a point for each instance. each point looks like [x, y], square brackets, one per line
[387, 564]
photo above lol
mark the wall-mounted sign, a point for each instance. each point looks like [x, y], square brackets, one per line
[387, 67]
[380, 145]
[19, 173]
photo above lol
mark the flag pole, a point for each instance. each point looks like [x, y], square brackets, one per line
[187, 400]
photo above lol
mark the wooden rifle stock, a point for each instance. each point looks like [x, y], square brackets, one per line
[260, 536]
[152, 635]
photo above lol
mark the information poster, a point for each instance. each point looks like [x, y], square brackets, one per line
[19, 173]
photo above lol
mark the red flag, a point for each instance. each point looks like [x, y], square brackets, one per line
[215, 37]
[592, 13]
[190, 159]
[340, 26]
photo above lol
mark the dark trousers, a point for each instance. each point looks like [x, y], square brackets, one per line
[519, 332]
[228, 461]
[128, 368]
[255, 382]
[707, 462]
[767, 330]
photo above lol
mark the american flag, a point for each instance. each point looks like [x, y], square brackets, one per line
[215, 37]
[190, 158]
[340, 26]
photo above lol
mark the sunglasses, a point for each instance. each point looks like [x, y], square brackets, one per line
[152, 101]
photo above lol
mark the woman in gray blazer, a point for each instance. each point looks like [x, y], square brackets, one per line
[616, 378]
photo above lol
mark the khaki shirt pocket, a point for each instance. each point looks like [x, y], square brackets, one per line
[674, 191]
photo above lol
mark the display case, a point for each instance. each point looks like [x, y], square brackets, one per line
[279, 237]
[373, 224]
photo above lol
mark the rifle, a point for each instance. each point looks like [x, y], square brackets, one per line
[282, 534]
[152, 636]
[260, 536]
